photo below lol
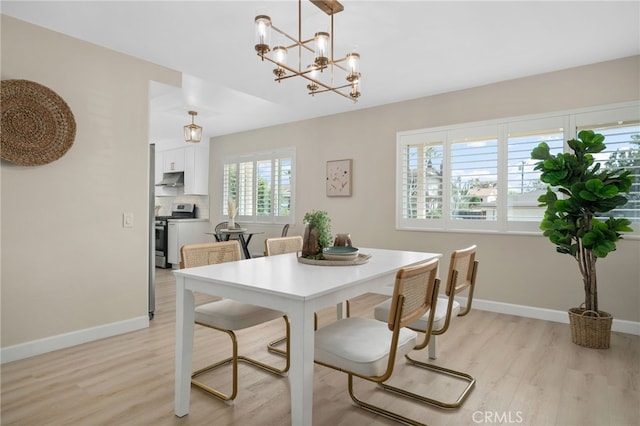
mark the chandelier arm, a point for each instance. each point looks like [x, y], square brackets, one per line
[294, 72]
[302, 44]
[340, 66]
[334, 91]
[303, 74]
[299, 42]
[337, 63]
[299, 74]
[300, 35]
[344, 86]
[327, 87]
[333, 37]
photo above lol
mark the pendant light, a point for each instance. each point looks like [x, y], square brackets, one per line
[192, 132]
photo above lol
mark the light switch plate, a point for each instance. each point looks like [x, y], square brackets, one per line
[127, 220]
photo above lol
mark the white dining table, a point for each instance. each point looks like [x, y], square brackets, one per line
[282, 282]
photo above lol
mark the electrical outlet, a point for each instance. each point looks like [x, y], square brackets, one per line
[127, 220]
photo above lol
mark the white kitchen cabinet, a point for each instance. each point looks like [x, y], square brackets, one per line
[185, 231]
[196, 169]
[193, 161]
[162, 191]
[173, 160]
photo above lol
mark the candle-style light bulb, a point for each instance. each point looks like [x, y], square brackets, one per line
[262, 34]
[322, 49]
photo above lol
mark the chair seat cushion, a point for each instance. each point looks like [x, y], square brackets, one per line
[232, 315]
[360, 345]
[381, 313]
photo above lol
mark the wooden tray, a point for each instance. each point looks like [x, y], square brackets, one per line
[361, 259]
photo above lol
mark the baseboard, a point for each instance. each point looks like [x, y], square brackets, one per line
[622, 326]
[67, 340]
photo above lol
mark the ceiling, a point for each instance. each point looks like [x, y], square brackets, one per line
[409, 49]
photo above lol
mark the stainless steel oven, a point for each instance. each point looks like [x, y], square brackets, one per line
[178, 211]
[161, 226]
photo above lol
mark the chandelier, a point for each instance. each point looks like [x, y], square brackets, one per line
[192, 132]
[323, 72]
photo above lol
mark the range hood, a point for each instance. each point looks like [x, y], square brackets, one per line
[172, 179]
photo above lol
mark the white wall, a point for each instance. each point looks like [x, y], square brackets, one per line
[68, 265]
[522, 270]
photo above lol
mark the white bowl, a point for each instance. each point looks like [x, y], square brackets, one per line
[340, 253]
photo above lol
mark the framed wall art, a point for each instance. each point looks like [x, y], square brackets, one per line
[339, 178]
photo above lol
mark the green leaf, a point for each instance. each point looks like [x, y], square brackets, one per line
[587, 195]
[575, 145]
[619, 225]
[563, 206]
[541, 152]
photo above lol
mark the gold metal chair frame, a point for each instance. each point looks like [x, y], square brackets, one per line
[220, 252]
[234, 359]
[453, 288]
[273, 345]
[398, 320]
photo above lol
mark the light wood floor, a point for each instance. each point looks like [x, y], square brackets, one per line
[528, 372]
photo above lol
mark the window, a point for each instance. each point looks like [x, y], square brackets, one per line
[621, 129]
[261, 185]
[480, 176]
[474, 175]
[523, 182]
[623, 150]
[422, 178]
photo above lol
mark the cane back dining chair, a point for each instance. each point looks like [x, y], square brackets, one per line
[228, 315]
[272, 247]
[367, 348]
[282, 245]
[461, 276]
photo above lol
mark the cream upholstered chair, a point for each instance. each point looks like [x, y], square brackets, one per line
[272, 247]
[367, 348]
[228, 315]
[462, 276]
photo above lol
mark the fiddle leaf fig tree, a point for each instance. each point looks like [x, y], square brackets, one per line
[579, 191]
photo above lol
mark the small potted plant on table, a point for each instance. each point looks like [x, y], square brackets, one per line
[317, 234]
[570, 222]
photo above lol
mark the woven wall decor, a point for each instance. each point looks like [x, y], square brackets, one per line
[37, 125]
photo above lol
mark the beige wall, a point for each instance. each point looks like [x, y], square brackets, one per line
[68, 265]
[67, 262]
[523, 270]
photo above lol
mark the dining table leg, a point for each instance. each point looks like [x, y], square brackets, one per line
[302, 336]
[185, 316]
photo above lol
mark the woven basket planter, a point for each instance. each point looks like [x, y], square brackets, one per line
[589, 328]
